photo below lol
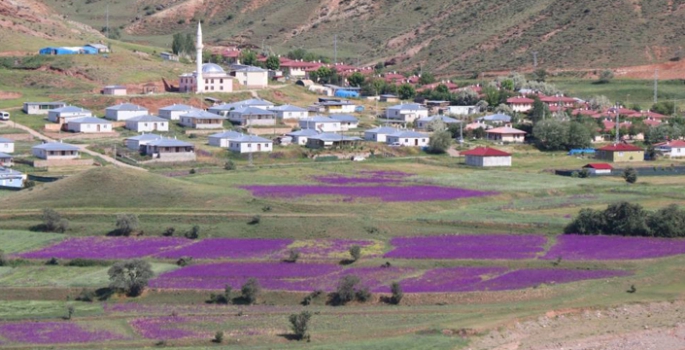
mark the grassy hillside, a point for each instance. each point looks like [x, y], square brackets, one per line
[444, 36]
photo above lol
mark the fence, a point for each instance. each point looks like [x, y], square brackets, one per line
[641, 171]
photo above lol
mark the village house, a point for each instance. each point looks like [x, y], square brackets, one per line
[290, 112]
[167, 56]
[620, 152]
[559, 101]
[321, 124]
[124, 111]
[425, 123]
[170, 150]
[114, 90]
[462, 110]
[598, 168]
[222, 139]
[138, 142]
[498, 118]
[672, 149]
[202, 120]
[506, 134]
[328, 140]
[347, 122]
[11, 178]
[248, 116]
[55, 150]
[89, 125]
[406, 112]
[6, 160]
[388, 98]
[175, 111]
[250, 144]
[6, 145]
[64, 114]
[520, 104]
[300, 137]
[101, 48]
[487, 157]
[250, 76]
[36, 108]
[379, 134]
[147, 123]
[332, 105]
[408, 138]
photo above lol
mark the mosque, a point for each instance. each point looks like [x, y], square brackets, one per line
[208, 77]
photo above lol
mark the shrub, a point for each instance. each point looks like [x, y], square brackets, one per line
[126, 224]
[218, 337]
[131, 276]
[605, 77]
[169, 232]
[313, 295]
[53, 261]
[363, 294]
[255, 220]
[355, 252]
[79, 262]
[440, 141]
[346, 290]
[192, 171]
[588, 222]
[53, 221]
[229, 165]
[293, 255]
[86, 295]
[630, 175]
[184, 260]
[70, 311]
[3, 260]
[250, 291]
[299, 323]
[397, 293]
[194, 232]
[227, 293]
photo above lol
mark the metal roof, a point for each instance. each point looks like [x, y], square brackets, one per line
[303, 132]
[334, 137]
[56, 146]
[499, 117]
[445, 119]
[345, 118]
[89, 120]
[251, 138]
[409, 134]
[144, 137]
[4, 140]
[200, 114]
[70, 109]
[126, 107]
[251, 111]
[411, 106]
[170, 143]
[5, 155]
[384, 130]
[288, 108]
[146, 118]
[318, 119]
[178, 107]
[227, 135]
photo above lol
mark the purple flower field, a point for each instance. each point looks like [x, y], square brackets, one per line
[581, 247]
[451, 279]
[106, 248]
[384, 193]
[526, 278]
[166, 327]
[367, 177]
[233, 248]
[487, 247]
[53, 333]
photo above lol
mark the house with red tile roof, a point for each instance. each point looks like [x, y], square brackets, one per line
[620, 152]
[673, 149]
[506, 134]
[559, 100]
[487, 157]
[520, 104]
[599, 168]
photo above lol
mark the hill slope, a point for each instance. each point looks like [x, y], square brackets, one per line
[445, 36]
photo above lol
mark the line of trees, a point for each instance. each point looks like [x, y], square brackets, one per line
[628, 219]
[183, 44]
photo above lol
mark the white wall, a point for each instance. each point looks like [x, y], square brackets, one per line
[247, 147]
[147, 126]
[292, 115]
[172, 115]
[218, 142]
[55, 116]
[488, 161]
[40, 153]
[322, 127]
[89, 127]
[123, 115]
[405, 114]
[409, 141]
[6, 147]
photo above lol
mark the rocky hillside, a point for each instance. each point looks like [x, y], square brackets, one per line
[444, 36]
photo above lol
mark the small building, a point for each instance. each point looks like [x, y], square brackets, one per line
[487, 157]
[167, 56]
[506, 134]
[425, 123]
[300, 137]
[137, 143]
[498, 118]
[214, 77]
[115, 90]
[406, 112]
[673, 149]
[65, 114]
[331, 106]
[248, 116]
[6, 160]
[89, 125]
[6, 145]
[380, 134]
[256, 103]
[170, 150]
[250, 144]
[321, 124]
[598, 168]
[11, 178]
[347, 121]
[55, 150]
[328, 140]
[389, 98]
[408, 138]
[124, 111]
[462, 110]
[175, 111]
[620, 152]
[520, 104]
[147, 123]
[36, 108]
[202, 120]
[68, 50]
[250, 76]
[290, 112]
[100, 47]
[222, 139]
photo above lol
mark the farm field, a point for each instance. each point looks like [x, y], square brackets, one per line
[472, 249]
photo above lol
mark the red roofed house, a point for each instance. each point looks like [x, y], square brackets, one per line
[673, 149]
[520, 103]
[506, 134]
[599, 168]
[487, 157]
[565, 101]
[620, 152]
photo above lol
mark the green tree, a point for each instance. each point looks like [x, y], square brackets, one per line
[540, 111]
[130, 276]
[346, 289]
[406, 92]
[466, 97]
[625, 218]
[248, 57]
[189, 45]
[599, 102]
[53, 221]
[3, 259]
[540, 75]
[299, 323]
[551, 135]
[630, 175]
[579, 136]
[178, 44]
[426, 78]
[664, 107]
[250, 290]
[356, 79]
[440, 141]
[355, 252]
[588, 222]
[492, 95]
[667, 222]
[605, 76]
[126, 224]
[397, 293]
[507, 84]
[273, 63]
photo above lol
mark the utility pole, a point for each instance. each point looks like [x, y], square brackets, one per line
[656, 76]
[618, 126]
[535, 59]
[335, 49]
[107, 21]
[249, 139]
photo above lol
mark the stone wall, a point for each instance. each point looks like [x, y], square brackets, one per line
[62, 162]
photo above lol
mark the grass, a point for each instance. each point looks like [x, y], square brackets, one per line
[44, 309]
[627, 91]
[20, 241]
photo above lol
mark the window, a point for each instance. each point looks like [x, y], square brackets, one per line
[221, 81]
[620, 154]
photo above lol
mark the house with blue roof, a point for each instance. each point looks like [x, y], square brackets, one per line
[407, 112]
[55, 150]
[251, 76]
[223, 138]
[290, 112]
[301, 136]
[379, 134]
[425, 123]
[250, 144]
[347, 121]
[6, 160]
[6, 145]
[137, 143]
[124, 111]
[11, 178]
[248, 116]
[147, 123]
[408, 138]
[170, 150]
[328, 140]
[498, 118]
[321, 124]
[63, 115]
[89, 125]
[202, 120]
[175, 111]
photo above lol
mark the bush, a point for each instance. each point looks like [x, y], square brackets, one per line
[440, 141]
[293, 255]
[628, 219]
[229, 165]
[169, 232]
[52, 262]
[397, 293]
[53, 221]
[255, 220]
[70, 312]
[667, 222]
[348, 290]
[605, 77]
[3, 260]
[131, 276]
[79, 262]
[194, 232]
[630, 175]
[299, 323]
[313, 295]
[126, 224]
[86, 295]
[355, 252]
[218, 337]
[363, 295]
[184, 260]
[250, 291]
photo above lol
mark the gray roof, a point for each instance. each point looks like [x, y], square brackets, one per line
[144, 137]
[334, 137]
[303, 132]
[5, 155]
[409, 134]
[335, 103]
[288, 108]
[126, 107]
[227, 135]
[255, 102]
[384, 130]
[200, 114]
[251, 138]
[410, 106]
[445, 119]
[56, 146]
[89, 120]
[251, 69]
[115, 87]
[69, 109]
[499, 117]
[9, 172]
[4, 140]
[226, 106]
[318, 119]
[178, 107]
[46, 103]
[98, 46]
[170, 143]
[146, 118]
[345, 118]
[252, 110]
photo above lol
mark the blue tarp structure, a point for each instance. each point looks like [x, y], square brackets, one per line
[577, 151]
[346, 94]
[51, 50]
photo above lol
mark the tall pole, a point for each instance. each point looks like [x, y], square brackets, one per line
[200, 46]
[107, 21]
[335, 49]
[535, 59]
[618, 130]
[249, 139]
[656, 76]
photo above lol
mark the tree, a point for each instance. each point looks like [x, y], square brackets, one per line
[656, 134]
[70, 311]
[194, 232]
[579, 136]
[540, 75]
[492, 95]
[189, 44]
[550, 135]
[625, 218]
[540, 110]
[664, 107]
[250, 291]
[440, 141]
[667, 222]
[588, 222]
[178, 44]
[397, 293]
[355, 252]
[605, 77]
[346, 290]
[126, 224]
[218, 337]
[293, 255]
[53, 221]
[406, 92]
[273, 63]
[507, 84]
[248, 57]
[130, 276]
[599, 102]
[504, 109]
[466, 97]
[3, 259]
[356, 79]
[299, 323]
[426, 78]
[630, 175]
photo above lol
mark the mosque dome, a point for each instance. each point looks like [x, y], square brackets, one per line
[212, 68]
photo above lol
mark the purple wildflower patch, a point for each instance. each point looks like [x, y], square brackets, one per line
[580, 247]
[216, 248]
[526, 278]
[166, 327]
[53, 333]
[451, 279]
[384, 193]
[487, 247]
[367, 177]
[106, 248]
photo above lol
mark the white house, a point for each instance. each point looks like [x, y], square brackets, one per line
[6, 160]
[498, 118]
[252, 116]
[55, 150]
[124, 111]
[332, 106]
[11, 178]
[222, 139]
[425, 123]
[250, 76]
[408, 138]
[520, 104]
[673, 149]
[321, 124]
[170, 150]
[250, 144]
[64, 114]
[135, 142]
[379, 134]
[300, 137]
[290, 112]
[214, 79]
[115, 90]
[327, 140]
[462, 110]
[89, 125]
[256, 103]
[34, 108]
[406, 112]
[599, 168]
[202, 120]
[6, 145]
[487, 157]
[347, 121]
[175, 111]
[506, 134]
[147, 123]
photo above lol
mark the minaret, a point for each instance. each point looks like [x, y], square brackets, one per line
[200, 81]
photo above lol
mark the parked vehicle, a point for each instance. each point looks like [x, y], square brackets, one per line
[4, 115]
